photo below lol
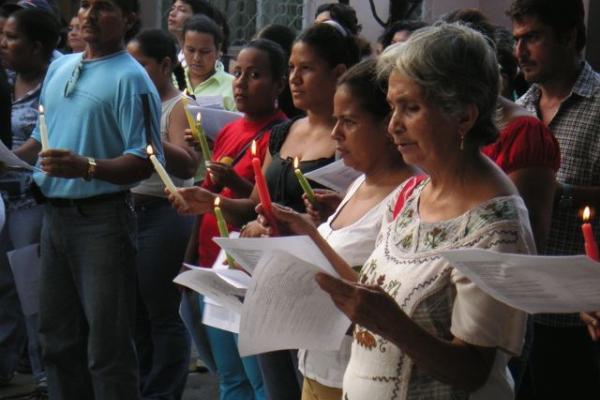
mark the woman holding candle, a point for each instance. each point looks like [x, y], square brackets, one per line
[259, 79]
[161, 338]
[28, 39]
[204, 73]
[320, 55]
[422, 328]
[362, 115]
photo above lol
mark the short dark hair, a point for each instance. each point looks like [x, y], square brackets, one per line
[331, 45]
[39, 26]
[203, 24]
[367, 87]
[343, 14]
[409, 25]
[561, 15]
[277, 57]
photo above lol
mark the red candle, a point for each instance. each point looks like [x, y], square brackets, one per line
[263, 190]
[591, 247]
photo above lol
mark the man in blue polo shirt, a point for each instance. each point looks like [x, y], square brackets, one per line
[98, 131]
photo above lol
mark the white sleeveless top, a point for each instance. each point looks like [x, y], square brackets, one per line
[153, 186]
[354, 243]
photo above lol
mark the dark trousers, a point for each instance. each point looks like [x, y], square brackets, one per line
[87, 301]
[564, 364]
[281, 376]
[162, 341]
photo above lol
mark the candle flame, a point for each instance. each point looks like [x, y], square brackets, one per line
[149, 150]
[217, 201]
[253, 148]
[296, 162]
[199, 117]
[41, 109]
[586, 214]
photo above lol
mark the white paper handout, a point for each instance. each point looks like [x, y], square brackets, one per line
[217, 316]
[25, 265]
[213, 120]
[248, 251]
[207, 282]
[12, 161]
[284, 308]
[535, 284]
[336, 176]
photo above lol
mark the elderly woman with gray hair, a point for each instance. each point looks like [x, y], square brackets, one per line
[423, 330]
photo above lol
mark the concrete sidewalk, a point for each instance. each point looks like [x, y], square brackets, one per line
[199, 386]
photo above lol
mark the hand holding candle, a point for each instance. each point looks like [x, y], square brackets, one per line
[202, 138]
[262, 189]
[222, 225]
[185, 102]
[591, 250]
[591, 247]
[43, 128]
[162, 173]
[310, 194]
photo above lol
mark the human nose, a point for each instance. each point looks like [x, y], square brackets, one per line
[520, 48]
[394, 126]
[240, 81]
[336, 132]
[294, 76]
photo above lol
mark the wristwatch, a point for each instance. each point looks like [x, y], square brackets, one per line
[566, 196]
[91, 169]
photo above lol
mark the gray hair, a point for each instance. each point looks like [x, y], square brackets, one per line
[455, 67]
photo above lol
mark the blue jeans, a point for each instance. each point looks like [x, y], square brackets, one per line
[162, 341]
[239, 377]
[22, 228]
[87, 300]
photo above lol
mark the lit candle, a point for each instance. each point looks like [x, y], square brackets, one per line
[222, 225]
[591, 247]
[201, 136]
[162, 173]
[43, 129]
[310, 194]
[261, 187]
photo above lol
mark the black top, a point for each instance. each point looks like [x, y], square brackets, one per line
[283, 184]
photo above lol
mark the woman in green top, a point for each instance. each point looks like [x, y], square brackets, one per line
[205, 74]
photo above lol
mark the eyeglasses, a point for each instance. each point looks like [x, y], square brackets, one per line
[72, 82]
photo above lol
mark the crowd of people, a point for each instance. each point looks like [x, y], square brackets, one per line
[464, 135]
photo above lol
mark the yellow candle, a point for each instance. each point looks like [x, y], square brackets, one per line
[185, 102]
[43, 129]
[162, 173]
[202, 138]
[222, 225]
[310, 194]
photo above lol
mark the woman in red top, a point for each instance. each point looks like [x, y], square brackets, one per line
[259, 79]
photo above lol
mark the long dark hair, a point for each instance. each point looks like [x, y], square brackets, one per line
[331, 45]
[158, 45]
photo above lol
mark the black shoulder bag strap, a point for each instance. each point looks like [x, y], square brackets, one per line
[256, 137]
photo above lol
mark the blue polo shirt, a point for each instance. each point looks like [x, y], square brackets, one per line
[102, 117]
